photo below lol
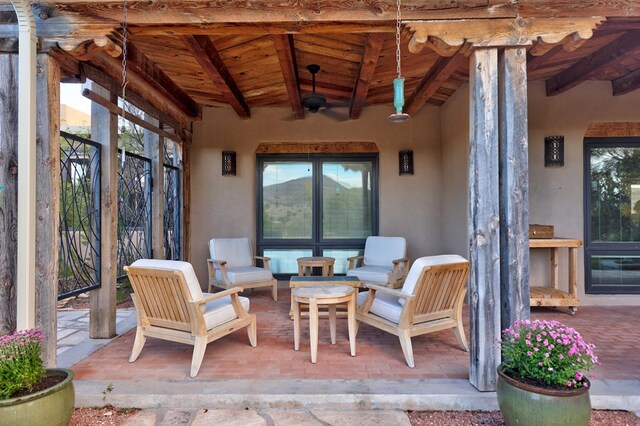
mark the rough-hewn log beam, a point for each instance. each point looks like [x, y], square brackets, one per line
[584, 69]
[289, 66]
[438, 74]
[86, 49]
[206, 54]
[226, 28]
[367, 68]
[626, 83]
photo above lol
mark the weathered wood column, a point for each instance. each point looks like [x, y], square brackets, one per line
[47, 201]
[8, 190]
[484, 218]
[154, 150]
[104, 130]
[514, 186]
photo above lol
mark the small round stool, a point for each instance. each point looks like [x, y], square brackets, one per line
[306, 265]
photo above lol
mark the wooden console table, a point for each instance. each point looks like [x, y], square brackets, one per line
[552, 296]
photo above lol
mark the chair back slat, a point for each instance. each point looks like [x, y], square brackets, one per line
[164, 296]
[439, 288]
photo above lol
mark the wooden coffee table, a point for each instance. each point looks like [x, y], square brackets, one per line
[324, 295]
[306, 265]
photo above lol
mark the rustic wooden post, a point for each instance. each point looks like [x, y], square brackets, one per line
[104, 130]
[484, 222]
[514, 185]
[186, 200]
[154, 150]
[8, 190]
[47, 201]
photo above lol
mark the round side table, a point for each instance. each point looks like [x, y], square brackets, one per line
[306, 265]
[324, 295]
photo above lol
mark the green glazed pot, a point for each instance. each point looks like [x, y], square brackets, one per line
[50, 407]
[526, 405]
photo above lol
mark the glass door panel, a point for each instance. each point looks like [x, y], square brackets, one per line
[346, 200]
[287, 200]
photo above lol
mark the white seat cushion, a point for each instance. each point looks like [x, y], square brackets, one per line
[382, 251]
[384, 305]
[175, 265]
[246, 274]
[235, 251]
[423, 262]
[371, 274]
[221, 310]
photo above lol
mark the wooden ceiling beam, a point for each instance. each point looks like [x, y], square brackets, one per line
[368, 65]
[233, 28]
[626, 83]
[289, 66]
[438, 74]
[589, 66]
[206, 54]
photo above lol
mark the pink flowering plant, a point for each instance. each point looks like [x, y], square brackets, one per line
[546, 353]
[20, 364]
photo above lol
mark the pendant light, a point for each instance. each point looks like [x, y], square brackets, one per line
[398, 82]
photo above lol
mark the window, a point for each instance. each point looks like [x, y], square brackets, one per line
[315, 205]
[612, 215]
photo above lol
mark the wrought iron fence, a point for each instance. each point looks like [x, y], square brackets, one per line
[80, 212]
[172, 235]
[134, 210]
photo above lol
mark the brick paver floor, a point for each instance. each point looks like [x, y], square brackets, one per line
[614, 330]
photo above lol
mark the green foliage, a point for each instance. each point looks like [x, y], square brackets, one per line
[547, 352]
[20, 364]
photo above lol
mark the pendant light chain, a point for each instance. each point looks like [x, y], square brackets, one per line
[398, 22]
[124, 75]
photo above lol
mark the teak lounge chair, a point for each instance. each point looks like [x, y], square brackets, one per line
[430, 300]
[384, 262]
[170, 305]
[232, 265]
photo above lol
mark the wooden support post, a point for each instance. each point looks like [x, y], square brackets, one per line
[154, 150]
[514, 184]
[484, 222]
[104, 130]
[47, 201]
[186, 201]
[8, 190]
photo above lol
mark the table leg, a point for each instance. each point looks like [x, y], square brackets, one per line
[300, 269]
[313, 328]
[331, 269]
[325, 270]
[351, 319]
[296, 324]
[332, 323]
[554, 266]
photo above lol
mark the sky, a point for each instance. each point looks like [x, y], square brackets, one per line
[71, 94]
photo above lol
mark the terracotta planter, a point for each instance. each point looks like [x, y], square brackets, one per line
[51, 407]
[526, 405]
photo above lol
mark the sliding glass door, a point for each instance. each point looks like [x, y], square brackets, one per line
[612, 215]
[315, 205]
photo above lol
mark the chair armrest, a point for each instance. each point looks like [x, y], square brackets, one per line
[265, 261]
[388, 290]
[404, 260]
[211, 266]
[353, 260]
[396, 278]
[219, 295]
[217, 262]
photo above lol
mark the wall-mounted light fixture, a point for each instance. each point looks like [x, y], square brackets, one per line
[228, 163]
[406, 162]
[554, 151]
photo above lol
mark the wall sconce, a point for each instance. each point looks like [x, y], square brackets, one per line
[406, 162]
[554, 151]
[228, 163]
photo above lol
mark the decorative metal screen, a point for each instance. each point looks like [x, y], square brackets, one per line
[134, 210]
[79, 250]
[172, 246]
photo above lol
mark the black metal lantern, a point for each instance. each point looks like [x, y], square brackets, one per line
[228, 163]
[554, 151]
[406, 162]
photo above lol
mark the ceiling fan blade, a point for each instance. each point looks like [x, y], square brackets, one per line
[335, 114]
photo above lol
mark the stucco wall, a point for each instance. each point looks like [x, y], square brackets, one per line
[225, 206]
[555, 194]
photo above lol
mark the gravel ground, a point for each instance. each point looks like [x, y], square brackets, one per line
[112, 416]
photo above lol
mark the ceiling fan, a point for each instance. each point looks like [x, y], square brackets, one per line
[314, 102]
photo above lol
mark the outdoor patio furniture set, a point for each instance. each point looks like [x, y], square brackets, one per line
[170, 303]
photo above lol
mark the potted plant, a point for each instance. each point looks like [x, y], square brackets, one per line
[29, 393]
[541, 380]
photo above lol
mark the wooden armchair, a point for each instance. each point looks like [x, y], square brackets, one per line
[233, 265]
[384, 262]
[430, 300]
[170, 305]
